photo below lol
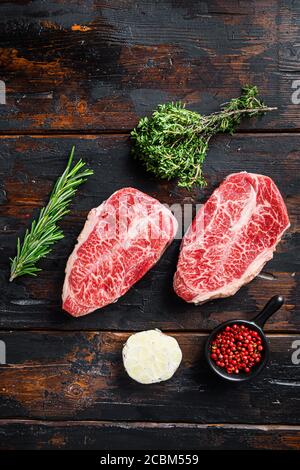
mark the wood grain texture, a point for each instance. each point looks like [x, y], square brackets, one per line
[77, 375]
[29, 167]
[101, 65]
[82, 73]
[39, 435]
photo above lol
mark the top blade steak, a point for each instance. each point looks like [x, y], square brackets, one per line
[231, 238]
[121, 240]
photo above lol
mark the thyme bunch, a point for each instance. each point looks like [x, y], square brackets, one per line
[173, 142]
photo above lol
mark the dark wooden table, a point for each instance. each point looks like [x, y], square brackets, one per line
[81, 72]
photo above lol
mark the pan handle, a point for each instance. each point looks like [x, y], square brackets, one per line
[271, 307]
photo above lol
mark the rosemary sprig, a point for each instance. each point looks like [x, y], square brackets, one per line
[173, 142]
[44, 231]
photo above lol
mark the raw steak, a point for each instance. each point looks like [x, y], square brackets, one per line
[121, 240]
[231, 238]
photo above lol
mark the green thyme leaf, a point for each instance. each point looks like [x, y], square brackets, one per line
[173, 142]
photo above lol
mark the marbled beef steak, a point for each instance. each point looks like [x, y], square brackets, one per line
[121, 240]
[231, 238]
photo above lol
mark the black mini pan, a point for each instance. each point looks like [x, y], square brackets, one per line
[256, 324]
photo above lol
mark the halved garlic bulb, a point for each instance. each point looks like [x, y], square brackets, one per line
[151, 356]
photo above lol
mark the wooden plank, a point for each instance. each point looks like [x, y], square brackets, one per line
[289, 51]
[30, 165]
[41, 435]
[77, 375]
[87, 66]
